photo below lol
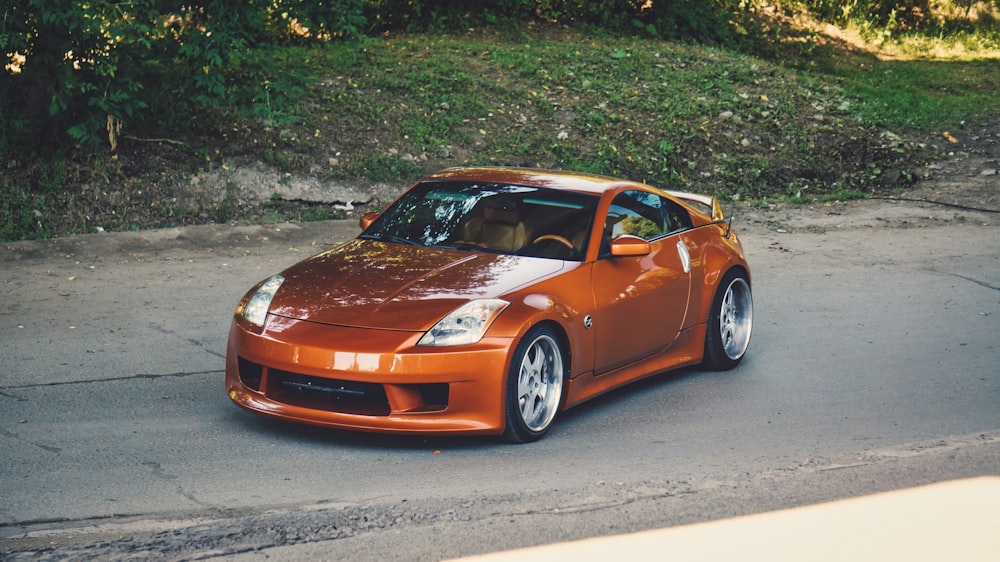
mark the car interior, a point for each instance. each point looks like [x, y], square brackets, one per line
[528, 226]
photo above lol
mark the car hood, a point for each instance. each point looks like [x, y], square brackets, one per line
[370, 284]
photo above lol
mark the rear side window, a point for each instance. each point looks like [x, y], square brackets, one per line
[677, 217]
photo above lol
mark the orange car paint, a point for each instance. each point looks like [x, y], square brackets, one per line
[376, 342]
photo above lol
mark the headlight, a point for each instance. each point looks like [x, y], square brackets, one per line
[465, 325]
[256, 307]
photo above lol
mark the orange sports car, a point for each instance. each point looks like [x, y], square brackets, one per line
[486, 300]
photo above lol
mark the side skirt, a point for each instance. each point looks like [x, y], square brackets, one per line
[688, 349]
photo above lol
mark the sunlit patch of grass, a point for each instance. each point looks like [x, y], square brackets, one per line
[947, 30]
[956, 46]
[962, 46]
[920, 95]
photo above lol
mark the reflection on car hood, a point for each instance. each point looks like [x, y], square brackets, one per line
[370, 284]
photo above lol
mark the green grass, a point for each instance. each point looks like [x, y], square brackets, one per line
[808, 124]
[679, 116]
[917, 95]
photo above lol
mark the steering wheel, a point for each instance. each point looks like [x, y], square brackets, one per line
[555, 237]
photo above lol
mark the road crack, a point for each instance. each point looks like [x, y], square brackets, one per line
[42, 446]
[983, 284]
[151, 376]
[191, 341]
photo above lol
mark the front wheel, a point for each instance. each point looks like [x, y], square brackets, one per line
[729, 323]
[534, 385]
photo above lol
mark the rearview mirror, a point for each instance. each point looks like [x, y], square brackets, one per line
[367, 219]
[629, 245]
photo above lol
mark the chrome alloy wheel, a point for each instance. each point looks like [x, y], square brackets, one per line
[736, 318]
[539, 383]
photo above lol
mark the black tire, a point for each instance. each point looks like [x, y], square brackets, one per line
[534, 385]
[730, 321]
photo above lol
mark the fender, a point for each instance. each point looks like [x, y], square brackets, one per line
[530, 307]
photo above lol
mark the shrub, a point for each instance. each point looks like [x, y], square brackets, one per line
[82, 71]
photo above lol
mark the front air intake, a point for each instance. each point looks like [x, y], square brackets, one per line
[331, 395]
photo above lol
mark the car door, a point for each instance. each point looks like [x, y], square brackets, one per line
[640, 301]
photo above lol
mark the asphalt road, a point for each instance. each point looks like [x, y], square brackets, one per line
[873, 367]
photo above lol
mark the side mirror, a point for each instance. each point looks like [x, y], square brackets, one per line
[628, 245]
[367, 219]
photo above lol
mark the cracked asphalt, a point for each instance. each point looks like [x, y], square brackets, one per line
[872, 368]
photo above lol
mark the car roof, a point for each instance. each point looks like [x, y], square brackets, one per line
[536, 177]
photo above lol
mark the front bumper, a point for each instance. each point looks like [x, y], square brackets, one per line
[369, 380]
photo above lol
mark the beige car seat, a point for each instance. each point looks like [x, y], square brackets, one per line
[498, 228]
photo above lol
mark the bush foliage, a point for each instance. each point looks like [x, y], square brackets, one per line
[79, 73]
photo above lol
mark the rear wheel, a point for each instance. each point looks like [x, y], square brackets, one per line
[729, 323]
[534, 385]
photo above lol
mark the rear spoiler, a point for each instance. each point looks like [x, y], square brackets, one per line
[711, 203]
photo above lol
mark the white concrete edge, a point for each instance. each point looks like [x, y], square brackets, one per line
[957, 520]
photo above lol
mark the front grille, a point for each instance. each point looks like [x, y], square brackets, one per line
[335, 395]
[317, 393]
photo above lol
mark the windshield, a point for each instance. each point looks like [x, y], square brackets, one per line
[490, 217]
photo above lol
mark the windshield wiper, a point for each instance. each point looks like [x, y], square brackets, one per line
[471, 248]
[461, 246]
[389, 238]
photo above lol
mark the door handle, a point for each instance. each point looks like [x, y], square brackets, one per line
[682, 251]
